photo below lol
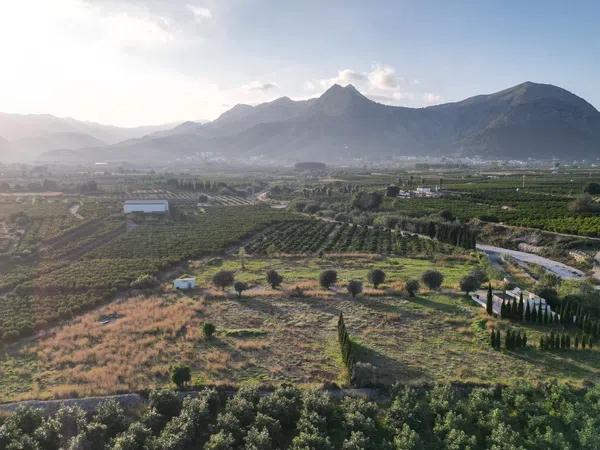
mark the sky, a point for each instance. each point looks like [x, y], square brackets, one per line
[142, 62]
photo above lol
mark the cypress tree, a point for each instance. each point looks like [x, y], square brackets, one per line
[489, 306]
[583, 341]
[507, 340]
[576, 341]
[514, 310]
[521, 308]
[527, 312]
[546, 318]
[568, 342]
[542, 343]
[498, 340]
[524, 339]
[551, 339]
[540, 315]
[493, 338]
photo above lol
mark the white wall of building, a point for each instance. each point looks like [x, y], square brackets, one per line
[145, 207]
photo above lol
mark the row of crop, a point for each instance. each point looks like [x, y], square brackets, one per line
[21, 315]
[295, 237]
[318, 236]
[207, 233]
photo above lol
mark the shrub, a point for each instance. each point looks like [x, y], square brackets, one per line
[447, 215]
[274, 279]
[469, 283]
[328, 278]
[355, 287]
[412, 287]
[367, 201]
[181, 375]
[222, 279]
[208, 329]
[592, 188]
[432, 279]
[165, 402]
[376, 277]
[240, 287]
[312, 208]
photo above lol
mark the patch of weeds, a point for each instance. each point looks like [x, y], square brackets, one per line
[245, 333]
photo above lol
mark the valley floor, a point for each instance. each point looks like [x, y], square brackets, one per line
[272, 336]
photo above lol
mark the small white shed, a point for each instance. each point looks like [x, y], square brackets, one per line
[184, 283]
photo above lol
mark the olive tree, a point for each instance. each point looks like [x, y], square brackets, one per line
[223, 279]
[354, 287]
[432, 279]
[274, 279]
[376, 277]
[328, 278]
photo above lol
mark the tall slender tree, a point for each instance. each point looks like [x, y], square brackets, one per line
[489, 306]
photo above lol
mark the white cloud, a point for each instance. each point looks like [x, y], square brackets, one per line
[260, 86]
[383, 77]
[381, 84]
[126, 29]
[200, 13]
[430, 97]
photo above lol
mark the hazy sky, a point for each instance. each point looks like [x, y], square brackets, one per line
[133, 62]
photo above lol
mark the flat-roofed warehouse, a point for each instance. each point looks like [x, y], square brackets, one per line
[146, 206]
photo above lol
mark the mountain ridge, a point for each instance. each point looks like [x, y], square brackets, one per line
[529, 120]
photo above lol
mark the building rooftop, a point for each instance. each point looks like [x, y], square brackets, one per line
[147, 202]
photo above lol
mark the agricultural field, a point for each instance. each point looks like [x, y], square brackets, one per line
[87, 265]
[310, 236]
[275, 336]
[87, 305]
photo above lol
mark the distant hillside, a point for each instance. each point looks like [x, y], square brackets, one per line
[29, 135]
[527, 120]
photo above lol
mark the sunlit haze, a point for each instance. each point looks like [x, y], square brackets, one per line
[134, 62]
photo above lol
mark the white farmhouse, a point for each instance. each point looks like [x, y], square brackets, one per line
[184, 283]
[146, 206]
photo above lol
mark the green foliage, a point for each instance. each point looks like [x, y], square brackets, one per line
[376, 277]
[346, 346]
[274, 279]
[354, 287]
[240, 287]
[316, 236]
[223, 279]
[412, 287]
[469, 284]
[367, 201]
[181, 375]
[432, 279]
[327, 278]
[550, 416]
[592, 188]
[208, 329]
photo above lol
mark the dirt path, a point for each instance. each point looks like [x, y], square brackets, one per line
[562, 270]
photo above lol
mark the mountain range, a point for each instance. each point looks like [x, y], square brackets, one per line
[530, 120]
[24, 137]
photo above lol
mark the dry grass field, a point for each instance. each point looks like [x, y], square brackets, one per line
[271, 336]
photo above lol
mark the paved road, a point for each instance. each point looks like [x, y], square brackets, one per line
[558, 268]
